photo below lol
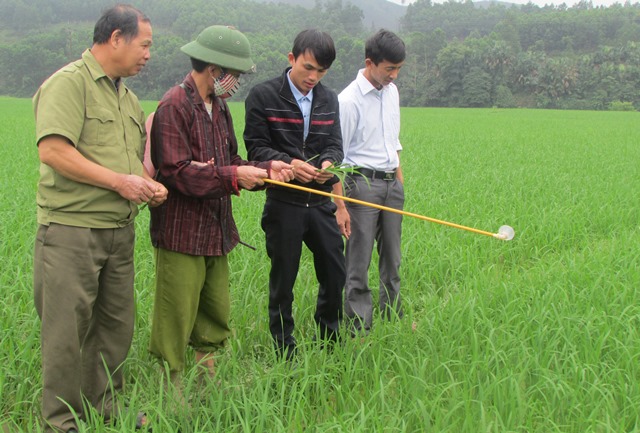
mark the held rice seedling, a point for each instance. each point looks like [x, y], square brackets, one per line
[540, 334]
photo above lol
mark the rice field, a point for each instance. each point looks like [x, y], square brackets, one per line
[539, 334]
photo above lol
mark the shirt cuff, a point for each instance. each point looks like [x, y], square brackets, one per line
[229, 177]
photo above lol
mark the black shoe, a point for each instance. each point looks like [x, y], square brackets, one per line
[288, 352]
[327, 344]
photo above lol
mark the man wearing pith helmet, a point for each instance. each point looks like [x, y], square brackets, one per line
[195, 153]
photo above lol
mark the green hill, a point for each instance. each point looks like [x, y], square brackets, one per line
[377, 13]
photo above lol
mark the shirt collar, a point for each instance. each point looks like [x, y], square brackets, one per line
[93, 66]
[297, 94]
[96, 71]
[365, 85]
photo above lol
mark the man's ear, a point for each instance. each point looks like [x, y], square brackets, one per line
[116, 37]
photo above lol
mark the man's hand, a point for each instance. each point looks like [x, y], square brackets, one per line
[323, 176]
[203, 164]
[135, 188]
[159, 196]
[344, 221]
[303, 171]
[281, 171]
[249, 176]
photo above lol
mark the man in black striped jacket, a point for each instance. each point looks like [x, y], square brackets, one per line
[295, 119]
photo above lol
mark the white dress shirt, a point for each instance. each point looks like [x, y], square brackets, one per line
[370, 121]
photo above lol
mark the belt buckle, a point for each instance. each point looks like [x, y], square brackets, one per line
[389, 175]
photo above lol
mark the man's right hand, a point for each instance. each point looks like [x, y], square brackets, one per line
[249, 176]
[344, 221]
[135, 188]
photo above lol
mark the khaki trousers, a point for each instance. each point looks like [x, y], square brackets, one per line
[191, 306]
[83, 292]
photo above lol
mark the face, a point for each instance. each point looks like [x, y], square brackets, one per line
[305, 71]
[223, 82]
[214, 73]
[381, 74]
[135, 53]
[217, 72]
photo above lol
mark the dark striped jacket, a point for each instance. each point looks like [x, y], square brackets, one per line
[274, 130]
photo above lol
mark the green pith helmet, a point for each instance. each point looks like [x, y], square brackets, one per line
[223, 46]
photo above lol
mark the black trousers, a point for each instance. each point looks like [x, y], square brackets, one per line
[286, 227]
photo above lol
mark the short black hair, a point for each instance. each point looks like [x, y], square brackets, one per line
[318, 43]
[119, 17]
[385, 45]
[198, 65]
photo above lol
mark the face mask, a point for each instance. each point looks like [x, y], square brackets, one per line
[225, 85]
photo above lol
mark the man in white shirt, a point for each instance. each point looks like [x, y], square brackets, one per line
[370, 122]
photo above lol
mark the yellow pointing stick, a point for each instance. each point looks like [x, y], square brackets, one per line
[505, 233]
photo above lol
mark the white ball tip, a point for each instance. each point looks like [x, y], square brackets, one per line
[505, 233]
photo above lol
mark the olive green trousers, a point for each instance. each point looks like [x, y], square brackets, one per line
[191, 306]
[83, 292]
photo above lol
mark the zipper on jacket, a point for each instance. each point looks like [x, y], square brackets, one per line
[304, 139]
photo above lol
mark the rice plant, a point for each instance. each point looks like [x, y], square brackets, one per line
[539, 334]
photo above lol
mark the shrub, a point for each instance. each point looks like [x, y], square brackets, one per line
[504, 98]
[621, 106]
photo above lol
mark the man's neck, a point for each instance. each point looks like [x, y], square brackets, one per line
[202, 84]
[101, 54]
[370, 79]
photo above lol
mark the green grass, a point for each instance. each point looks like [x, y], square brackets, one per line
[540, 334]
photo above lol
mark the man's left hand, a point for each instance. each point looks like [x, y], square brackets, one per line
[323, 176]
[281, 171]
[160, 194]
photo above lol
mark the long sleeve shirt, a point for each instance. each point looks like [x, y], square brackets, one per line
[370, 121]
[197, 217]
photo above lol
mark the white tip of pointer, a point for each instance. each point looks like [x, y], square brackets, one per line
[505, 233]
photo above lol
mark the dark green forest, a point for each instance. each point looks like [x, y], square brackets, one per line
[460, 54]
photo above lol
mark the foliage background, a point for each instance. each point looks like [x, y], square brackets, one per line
[460, 54]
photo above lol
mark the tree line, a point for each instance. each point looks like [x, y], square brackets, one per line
[459, 54]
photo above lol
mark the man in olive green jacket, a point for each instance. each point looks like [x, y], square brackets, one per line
[90, 135]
